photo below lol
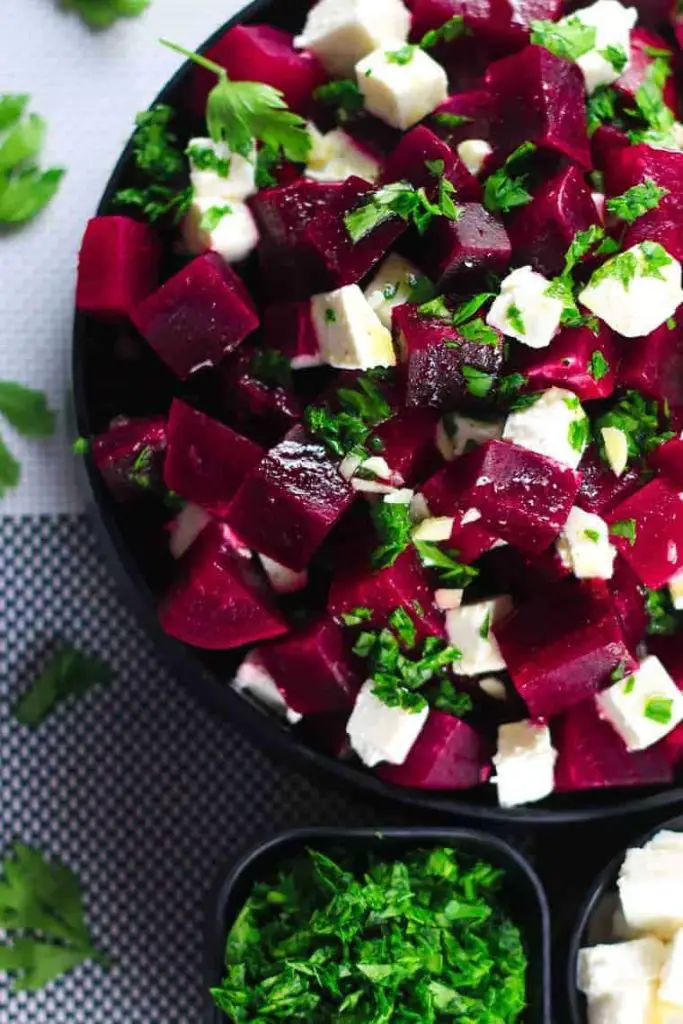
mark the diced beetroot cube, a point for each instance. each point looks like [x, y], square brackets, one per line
[288, 327]
[313, 669]
[593, 756]
[470, 246]
[601, 490]
[654, 364]
[408, 443]
[289, 503]
[198, 316]
[477, 106]
[118, 266]
[261, 53]
[643, 41]
[446, 497]
[263, 410]
[561, 646]
[408, 162]
[540, 98]
[437, 360]
[664, 224]
[219, 601]
[503, 22]
[542, 231]
[206, 461]
[667, 459]
[629, 603]
[574, 361]
[448, 754]
[130, 456]
[655, 515]
[604, 142]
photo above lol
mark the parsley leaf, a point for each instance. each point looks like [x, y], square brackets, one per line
[12, 106]
[271, 367]
[478, 331]
[204, 158]
[598, 367]
[640, 419]
[356, 616]
[401, 199]
[452, 120]
[512, 384]
[452, 29]
[344, 94]
[569, 38]
[506, 189]
[625, 528]
[363, 407]
[478, 382]
[616, 56]
[402, 56]
[468, 309]
[161, 165]
[103, 13]
[515, 319]
[27, 410]
[659, 709]
[10, 470]
[636, 201]
[446, 562]
[213, 216]
[394, 528]
[70, 673]
[651, 108]
[24, 189]
[447, 698]
[601, 108]
[663, 619]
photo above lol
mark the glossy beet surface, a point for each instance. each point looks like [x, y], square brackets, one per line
[118, 266]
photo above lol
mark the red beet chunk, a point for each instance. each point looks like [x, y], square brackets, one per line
[540, 98]
[206, 460]
[288, 327]
[664, 224]
[643, 41]
[501, 22]
[198, 316]
[130, 456]
[593, 756]
[446, 496]
[408, 443]
[600, 489]
[654, 364]
[219, 601]
[289, 503]
[448, 754]
[604, 143]
[476, 105]
[118, 266]
[541, 232]
[262, 410]
[629, 603]
[667, 459]
[561, 646]
[571, 362]
[261, 53]
[408, 162]
[313, 669]
[655, 514]
[470, 246]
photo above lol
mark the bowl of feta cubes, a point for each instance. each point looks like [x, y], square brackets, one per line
[378, 366]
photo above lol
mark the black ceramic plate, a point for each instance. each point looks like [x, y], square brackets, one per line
[115, 374]
[522, 893]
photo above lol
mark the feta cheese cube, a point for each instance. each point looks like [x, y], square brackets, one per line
[253, 679]
[632, 1004]
[603, 970]
[671, 979]
[379, 733]
[667, 841]
[340, 32]
[228, 229]
[336, 156]
[186, 527]
[282, 579]
[474, 154]
[612, 23]
[644, 707]
[350, 334]
[555, 425]
[676, 591]
[636, 291]
[218, 173]
[391, 286]
[469, 629]
[584, 546]
[616, 448]
[523, 309]
[434, 530]
[458, 434]
[650, 887]
[401, 85]
[525, 763]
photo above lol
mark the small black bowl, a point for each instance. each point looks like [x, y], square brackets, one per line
[522, 893]
[593, 924]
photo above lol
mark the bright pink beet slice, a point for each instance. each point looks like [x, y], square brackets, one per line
[408, 443]
[118, 266]
[288, 328]
[652, 520]
[313, 669]
[667, 459]
[577, 359]
[540, 98]
[654, 364]
[601, 490]
[448, 754]
[130, 456]
[561, 646]
[263, 410]
[593, 756]
[476, 106]
[630, 166]
[219, 601]
[408, 162]
[629, 603]
[289, 503]
[206, 460]
[198, 316]
[455, 252]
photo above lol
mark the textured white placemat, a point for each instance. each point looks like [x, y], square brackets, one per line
[89, 86]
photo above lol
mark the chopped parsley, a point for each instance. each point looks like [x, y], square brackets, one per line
[650, 119]
[204, 158]
[447, 563]
[161, 168]
[213, 216]
[390, 291]
[506, 189]
[479, 332]
[394, 527]
[271, 367]
[639, 419]
[402, 56]
[330, 316]
[403, 626]
[421, 289]
[616, 56]
[485, 630]
[362, 408]
[478, 382]
[598, 367]
[569, 38]
[636, 201]
[625, 528]
[452, 29]
[356, 616]
[470, 307]
[630, 685]
[451, 700]
[452, 120]
[401, 199]
[70, 673]
[436, 307]
[515, 319]
[592, 535]
[663, 619]
[81, 446]
[512, 384]
[344, 94]
[659, 709]
[579, 431]
[25, 190]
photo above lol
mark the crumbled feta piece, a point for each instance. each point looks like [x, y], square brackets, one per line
[350, 334]
[391, 286]
[584, 546]
[603, 970]
[600, 203]
[435, 530]
[402, 496]
[523, 309]
[401, 85]
[359, 483]
[340, 32]
[649, 887]
[493, 688]
[447, 599]
[612, 23]
[555, 425]
[671, 979]
[380, 733]
[419, 509]
[525, 763]
[350, 464]
[282, 579]
[457, 434]
[616, 448]
[474, 153]
[228, 229]
[644, 707]
[469, 629]
[632, 1004]
[219, 174]
[378, 467]
[337, 156]
[636, 291]
[470, 515]
[676, 591]
[253, 679]
[186, 527]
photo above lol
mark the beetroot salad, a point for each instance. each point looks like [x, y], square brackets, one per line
[415, 279]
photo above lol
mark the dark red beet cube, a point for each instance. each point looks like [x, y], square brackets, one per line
[601, 490]
[130, 456]
[643, 42]
[289, 503]
[577, 359]
[198, 316]
[501, 22]
[448, 754]
[118, 266]
[654, 364]
[629, 603]
[206, 461]
[408, 443]
[630, 166]
[446, 497]
[667, 459]
[288, 327]
[652, 519]
[262, 410]
[604, 143]
[408, 162]
[476, 106]
[219, 601]
[472, 245]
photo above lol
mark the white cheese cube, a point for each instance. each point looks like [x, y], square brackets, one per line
[401, 85]
[350, 334]
[253, 679]
[603, 970]
[186, 527]
[525, 763]
[612, 23]
[380, 733]
[218, 173]
[434, 530]
[666, 840]
[458, 434]
[391, 286]
[671, 979]
[282, 579]
[650, 886]
[340, 32]
[676, 591]
[632, 1004]
[636, 291]
[555, 425]
[644, 707]
[228, 229]
[469, 629]
[616, 449]
[474, 154]
[337, 156]
[523, 309]
[584, 546]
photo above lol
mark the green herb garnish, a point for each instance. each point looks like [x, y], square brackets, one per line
[479, 332]
[402, 56]
[637, 417]
[401, 199]
[579, 431]
[506, 189]
[598, 366]
[397, 677]
[70, 673]
[592, 535]
[663, 619]
[452, 29]
[659, 709]
[362, 408]
[394, 527]
[159, 161]
[447, 563]
[616, 56]
[356, 616]
[569, 38]
[27, 411]
[625, 528]
[24, 189]
[103, 13]
[515, 319]
[344, 94]
[451, 700]
[629, 685]
[478, 382]
[271, 367]
[204, 158]
[213, 216]
[470, 307]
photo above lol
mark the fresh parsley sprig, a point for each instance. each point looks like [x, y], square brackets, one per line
[103, 13]
[507, 188]
[70, 673]
[27, 411]
[591, 242]
[663, 619]
[349, 430]
[637, 201]
[394, 527]
[25, 190]
[401, 199]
